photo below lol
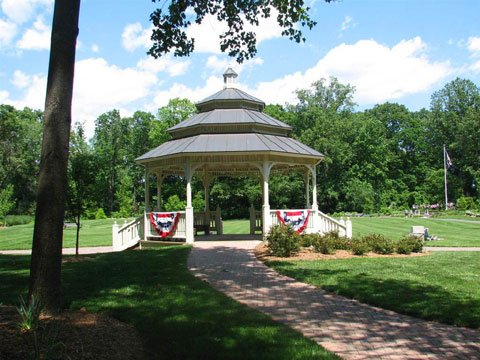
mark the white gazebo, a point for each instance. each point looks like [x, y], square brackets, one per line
[230, 135]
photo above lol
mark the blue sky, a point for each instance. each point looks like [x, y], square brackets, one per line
[399, 51]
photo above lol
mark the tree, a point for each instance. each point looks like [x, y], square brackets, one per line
[168, 34]
[81, 179]
[6, 202]
[46, 261]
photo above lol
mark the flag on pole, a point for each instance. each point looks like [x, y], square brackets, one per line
[448, 160]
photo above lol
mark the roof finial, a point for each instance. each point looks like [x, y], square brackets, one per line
[229, 78]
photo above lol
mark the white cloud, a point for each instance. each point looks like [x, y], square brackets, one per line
[347, 23]
[8, 30]
[164, 64]
[473, 45]
[36, 38]
[100, 87]
[4, 95]
[20, 79]
[95, 48]
[207, 34]
[135, 36]
[21, 11]
[379, 73]
[218, 65]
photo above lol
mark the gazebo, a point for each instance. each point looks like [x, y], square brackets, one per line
[229, 136]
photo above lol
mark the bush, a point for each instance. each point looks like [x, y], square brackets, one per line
[174, 204]
[380, 244]
[100, 214]
[324, 245]
[307, 240]
[409, 244]
[13, 220]
[283, 241]
[360, 246]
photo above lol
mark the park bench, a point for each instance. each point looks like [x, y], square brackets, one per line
[69, 225]
[417, 231]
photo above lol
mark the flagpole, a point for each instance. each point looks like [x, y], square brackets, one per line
[445, 175]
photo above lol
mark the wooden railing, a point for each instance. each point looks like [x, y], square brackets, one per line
[127, 235]
[211, 218]
[256, 222]
[180, 231]
[319, 223]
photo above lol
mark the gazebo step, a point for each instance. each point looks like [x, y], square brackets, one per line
[157, 243]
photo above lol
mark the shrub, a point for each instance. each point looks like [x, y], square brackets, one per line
[409, 244]
[360, 246]
[307, 240]
[283, 241]
[380, 244]
[174, 204]
[12, 220]
[324, 245]
[100, 214]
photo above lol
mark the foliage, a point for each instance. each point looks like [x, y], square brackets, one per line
[360, 246]
[174, 204]
[100, 214]
[380, 244]
[466, 203]
[29, 314]
[13, 220]
[6, 202]
[283, 241]
[198, 202]
[324, 244]
[238, 40]
[409, 244]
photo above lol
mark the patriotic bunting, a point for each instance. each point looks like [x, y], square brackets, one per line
[298, 220]
[164, 223]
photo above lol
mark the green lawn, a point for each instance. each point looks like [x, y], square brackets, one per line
[241, 226]
[442, 286]
[177, 315]
[92, 233]
[458, 231]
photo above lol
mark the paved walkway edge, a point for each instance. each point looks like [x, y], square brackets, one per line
[346, 327]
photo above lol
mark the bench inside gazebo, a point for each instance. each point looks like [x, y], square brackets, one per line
[229, 136]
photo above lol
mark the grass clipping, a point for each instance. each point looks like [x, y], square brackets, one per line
[70, 335]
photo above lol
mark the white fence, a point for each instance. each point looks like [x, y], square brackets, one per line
[127, 235]
[319, 222]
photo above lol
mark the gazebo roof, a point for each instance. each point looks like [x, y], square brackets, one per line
[231, 143]
[230, 131]
[229, 121]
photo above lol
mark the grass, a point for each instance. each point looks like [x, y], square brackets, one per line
[443, 286]
[177, 315]
[241, 226]
[92, 233]
[452, 232]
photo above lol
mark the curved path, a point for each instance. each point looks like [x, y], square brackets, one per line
[346, 327]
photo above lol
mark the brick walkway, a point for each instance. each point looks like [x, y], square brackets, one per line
[346, 327]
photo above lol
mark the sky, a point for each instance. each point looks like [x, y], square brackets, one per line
[390, 51]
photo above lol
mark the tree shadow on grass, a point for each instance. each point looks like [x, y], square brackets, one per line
[428, 302]
[178, 315]
[14, 274]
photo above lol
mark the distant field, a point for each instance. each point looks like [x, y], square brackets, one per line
[457, 231]
[92, 233]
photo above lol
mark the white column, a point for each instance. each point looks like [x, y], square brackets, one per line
[206, 188]
[266, 167]
[160, 178]
[307, 188]
[147, 192]
[189, 209]
[314, 192]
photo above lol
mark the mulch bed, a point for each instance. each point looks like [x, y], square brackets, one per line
[70, 335]
[262, 253]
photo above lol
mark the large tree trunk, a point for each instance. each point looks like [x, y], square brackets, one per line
[45, 267]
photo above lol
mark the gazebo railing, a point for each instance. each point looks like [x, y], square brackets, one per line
[256, 222]
[127, 235]
[180, 231]
[319, 223]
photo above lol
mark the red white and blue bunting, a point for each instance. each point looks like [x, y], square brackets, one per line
[164, 223]
[298, 220]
